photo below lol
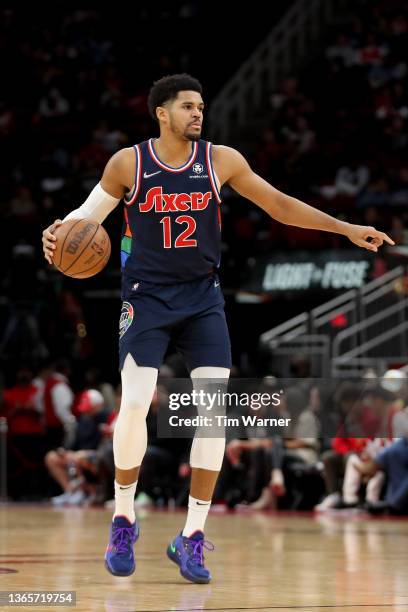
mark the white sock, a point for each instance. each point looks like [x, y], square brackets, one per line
[125, 500]
[196, 515]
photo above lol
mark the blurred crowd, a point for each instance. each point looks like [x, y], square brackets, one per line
[344, 446]
[337, 136]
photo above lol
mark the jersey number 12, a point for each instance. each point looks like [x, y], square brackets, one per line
[183, 239]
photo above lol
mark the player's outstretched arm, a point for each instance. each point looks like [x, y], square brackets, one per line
[233, 168]
[104, 198]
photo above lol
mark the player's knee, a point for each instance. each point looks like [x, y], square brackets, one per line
[207, 453]
[51, 459]
[135, 405]
[354, 461]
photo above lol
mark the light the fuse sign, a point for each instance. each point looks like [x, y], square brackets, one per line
[291, 276]
[303, 271]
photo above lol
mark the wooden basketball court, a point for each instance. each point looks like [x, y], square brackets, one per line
[262, 561]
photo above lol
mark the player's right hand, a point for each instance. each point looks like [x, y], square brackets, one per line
[48, 240]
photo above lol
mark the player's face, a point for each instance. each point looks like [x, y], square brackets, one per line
[185, 115]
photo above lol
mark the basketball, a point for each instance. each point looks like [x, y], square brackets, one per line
[82, 249]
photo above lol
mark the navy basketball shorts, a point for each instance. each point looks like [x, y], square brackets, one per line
[190, 315]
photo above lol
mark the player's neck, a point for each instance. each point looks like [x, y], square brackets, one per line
[173, 151]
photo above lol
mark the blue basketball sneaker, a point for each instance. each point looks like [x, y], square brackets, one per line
[188, 554]
[119, 556]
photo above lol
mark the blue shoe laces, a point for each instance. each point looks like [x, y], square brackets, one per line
[122, 537]
[198, 550]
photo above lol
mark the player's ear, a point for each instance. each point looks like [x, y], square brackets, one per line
[161, 113]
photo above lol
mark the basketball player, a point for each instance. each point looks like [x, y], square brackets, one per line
[170, 255]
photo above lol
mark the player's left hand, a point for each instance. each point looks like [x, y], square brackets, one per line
[367, 237]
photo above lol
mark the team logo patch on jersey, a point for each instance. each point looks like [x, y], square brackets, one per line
[126, 318]
[198, 168]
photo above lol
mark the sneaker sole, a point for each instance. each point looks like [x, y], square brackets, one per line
[116, 573]
[188, 577]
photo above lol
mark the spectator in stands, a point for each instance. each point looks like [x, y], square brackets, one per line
[53, 104]
[350, 180]
[342, 51]
[396, 382]
[334, 460]
[94, 380]
[385, 405]
[399, 195]
[67, 465]
[375, 422]
[111, 139]
[353, 478]
[375, 193]
[291, 452]
[22, 207]
[21, 338]
[59, 420]
[288, 93]
[25, 436]
[104, 454]
[259, 453]
[393, 461]
[372, 52]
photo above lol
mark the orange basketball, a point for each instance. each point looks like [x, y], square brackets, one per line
[82, 249]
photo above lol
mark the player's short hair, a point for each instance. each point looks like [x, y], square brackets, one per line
[167, 88]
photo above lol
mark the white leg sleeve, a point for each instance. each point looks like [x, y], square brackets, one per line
[207, 453]
[352, 480]
[130, 434]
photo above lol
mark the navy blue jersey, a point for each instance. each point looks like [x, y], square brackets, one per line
[172, 225]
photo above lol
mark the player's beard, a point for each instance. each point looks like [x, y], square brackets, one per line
[193, 137]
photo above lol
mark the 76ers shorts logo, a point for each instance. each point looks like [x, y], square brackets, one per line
[126, 318]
